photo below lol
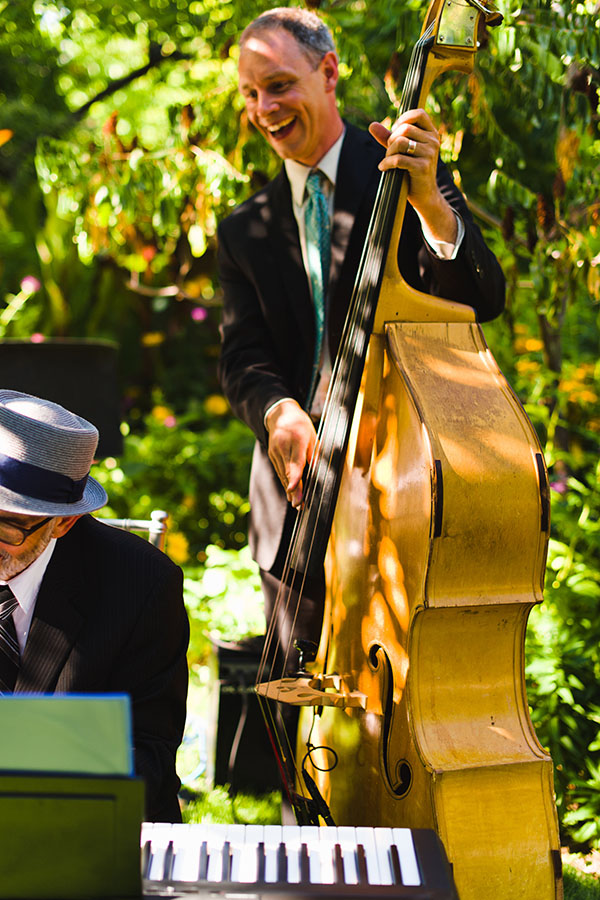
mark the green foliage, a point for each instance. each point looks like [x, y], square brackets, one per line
[564, 666]
[123, 142]
[223, 599]
[218, 805]
[195, 466]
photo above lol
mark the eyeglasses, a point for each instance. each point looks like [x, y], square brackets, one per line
[14, 535]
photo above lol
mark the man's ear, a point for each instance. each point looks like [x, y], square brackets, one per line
[329, 67]
[63, 524]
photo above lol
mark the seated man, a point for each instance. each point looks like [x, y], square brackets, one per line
[84, 607]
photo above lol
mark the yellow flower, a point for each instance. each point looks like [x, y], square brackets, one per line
[161, 413]
[152, 338]
[587, 396]
[216, 405]
[527, 365]
[567, 150]
[177, 547]
[533, 344]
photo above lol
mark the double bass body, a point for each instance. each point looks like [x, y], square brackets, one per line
[436, 558]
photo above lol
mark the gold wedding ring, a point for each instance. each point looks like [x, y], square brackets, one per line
[412, 146]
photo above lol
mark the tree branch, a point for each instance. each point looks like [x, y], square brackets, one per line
[156, 57]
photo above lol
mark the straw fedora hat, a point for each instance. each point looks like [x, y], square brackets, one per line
[45, 458]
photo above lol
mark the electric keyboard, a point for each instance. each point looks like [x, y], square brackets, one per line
[293, 861]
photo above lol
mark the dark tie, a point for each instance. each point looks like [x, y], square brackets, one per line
[318, 251]
[10, 657]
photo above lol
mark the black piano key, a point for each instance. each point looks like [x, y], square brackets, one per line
[396, 870]
[146, 859]
[338, 865]
[203, 865]
[282, 866]
[304, 865]
[361, 865]
[168, 862]
[434, 869]
[260, 862]
[226, 860]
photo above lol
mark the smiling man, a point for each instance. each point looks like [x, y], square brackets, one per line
[282, 317]
[86, 608]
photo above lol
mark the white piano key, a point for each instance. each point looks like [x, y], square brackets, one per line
[408, 857]
[159, 836]
[365, 836]
[383, 841]
[217, 836]
[186, 841]
[347, 841]
[236, 838]
[272, 839]
[309, 835]
[146, 832]
[327, 840]
[249, 857]
[291, 838]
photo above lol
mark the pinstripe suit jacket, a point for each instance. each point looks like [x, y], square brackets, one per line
[109, 618]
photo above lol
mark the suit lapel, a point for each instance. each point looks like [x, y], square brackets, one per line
[351, 186]
[282, 231]
[55, 625]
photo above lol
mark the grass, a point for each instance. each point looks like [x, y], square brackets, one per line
[579, 886]
[218, 806]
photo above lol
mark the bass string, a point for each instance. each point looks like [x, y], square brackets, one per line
[334, 420]
[356, 333]
[367, 281]
[352, 346]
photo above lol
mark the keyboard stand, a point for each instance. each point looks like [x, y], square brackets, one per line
[66, 837]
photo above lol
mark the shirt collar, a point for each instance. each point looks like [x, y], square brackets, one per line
[297, 173]
[26, 585]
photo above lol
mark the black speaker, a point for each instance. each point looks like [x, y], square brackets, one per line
[244, 757]
[80, 375]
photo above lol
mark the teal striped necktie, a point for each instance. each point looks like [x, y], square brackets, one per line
[318, 253]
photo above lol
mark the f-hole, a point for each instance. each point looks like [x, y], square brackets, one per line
[399, 780]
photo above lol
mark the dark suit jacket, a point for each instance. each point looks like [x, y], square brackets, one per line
[268, 330]
[109, 618]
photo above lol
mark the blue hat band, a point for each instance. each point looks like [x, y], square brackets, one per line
[39, 484]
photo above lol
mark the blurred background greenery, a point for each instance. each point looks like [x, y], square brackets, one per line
[123, 142]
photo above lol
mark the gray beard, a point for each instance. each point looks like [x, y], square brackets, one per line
[14, 565]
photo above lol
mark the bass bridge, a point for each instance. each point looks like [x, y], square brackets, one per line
[312, 690]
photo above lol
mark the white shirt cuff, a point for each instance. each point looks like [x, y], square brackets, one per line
[445, 249]
[273, 406]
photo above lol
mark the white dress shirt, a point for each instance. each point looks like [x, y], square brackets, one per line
[25, 587]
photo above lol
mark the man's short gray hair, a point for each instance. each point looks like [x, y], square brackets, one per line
[311, 33]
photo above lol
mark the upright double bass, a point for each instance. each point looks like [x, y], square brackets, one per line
[428, 501]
